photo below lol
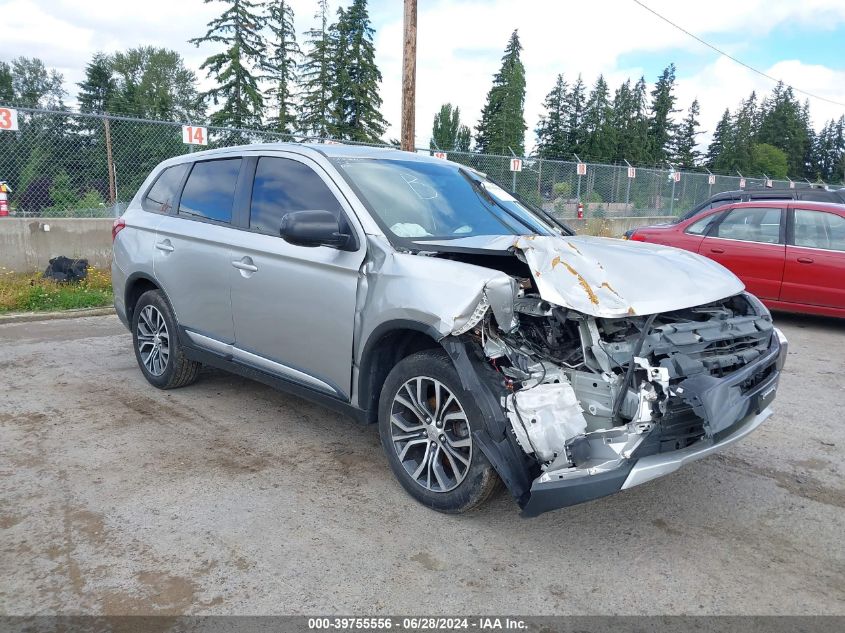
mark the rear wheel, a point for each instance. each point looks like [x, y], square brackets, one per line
[157, 349]
[426, 420]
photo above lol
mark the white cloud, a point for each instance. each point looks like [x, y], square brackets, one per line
[460, 43]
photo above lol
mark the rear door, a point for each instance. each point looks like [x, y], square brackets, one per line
[815, 258]
[294, 306]
[192, 259]
[749, 241]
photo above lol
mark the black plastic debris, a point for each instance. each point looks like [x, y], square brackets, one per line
[63, 268]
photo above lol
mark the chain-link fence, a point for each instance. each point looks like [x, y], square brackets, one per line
[65, 164]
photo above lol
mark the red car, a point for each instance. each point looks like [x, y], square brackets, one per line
[789, 253]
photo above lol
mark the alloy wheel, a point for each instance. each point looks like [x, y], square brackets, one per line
[430, 433]
[153, 340]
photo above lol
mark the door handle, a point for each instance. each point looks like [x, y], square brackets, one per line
[717, 250]
[165, 246]
[805, 260]
[244, 264]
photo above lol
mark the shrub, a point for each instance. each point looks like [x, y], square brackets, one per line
[562, 190]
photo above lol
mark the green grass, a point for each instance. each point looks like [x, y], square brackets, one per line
[33, 293]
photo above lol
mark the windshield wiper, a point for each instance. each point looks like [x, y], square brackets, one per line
[476, 184]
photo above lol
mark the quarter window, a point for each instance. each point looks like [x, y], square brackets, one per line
[819, 229]
[751, 225]
[210, 190]
[159, 198]
[283, 185]
[700, 227]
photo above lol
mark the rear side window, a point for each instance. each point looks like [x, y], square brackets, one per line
[159, 198]
[282, 185]
[751, 225]
[819, 229]
[210, 190]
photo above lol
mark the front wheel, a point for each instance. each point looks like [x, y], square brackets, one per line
[426, 420]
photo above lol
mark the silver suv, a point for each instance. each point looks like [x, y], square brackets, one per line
[487, 342]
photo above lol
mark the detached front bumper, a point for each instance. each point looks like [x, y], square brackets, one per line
[748, 409]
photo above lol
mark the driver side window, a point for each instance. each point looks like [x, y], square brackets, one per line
[283, 185]
[751, 225]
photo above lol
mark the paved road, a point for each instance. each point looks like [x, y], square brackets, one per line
[229, 497]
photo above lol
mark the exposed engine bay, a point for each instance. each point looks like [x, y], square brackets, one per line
[586, 392]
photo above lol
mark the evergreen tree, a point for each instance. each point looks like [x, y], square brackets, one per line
[575, 105]
[502, 126]
[553, 128]
[97, 91]
[281, 64]
[786, 125]
[685, 153]
[446, 127]
[660, 125]
[356, 100]
[238, 30]
[316, 78]
[463, 141]
[720, 142]
[744, 136]
[7, 92]
[598, 124]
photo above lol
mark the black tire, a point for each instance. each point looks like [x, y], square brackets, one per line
[480, 480]
[177, 370]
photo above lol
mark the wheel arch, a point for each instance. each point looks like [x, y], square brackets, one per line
[136, 285]
[388, 344]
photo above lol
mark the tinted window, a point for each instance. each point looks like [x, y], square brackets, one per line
[819, 229]
[159, 199]
[281, 186]
[751, 225]
[210, 190]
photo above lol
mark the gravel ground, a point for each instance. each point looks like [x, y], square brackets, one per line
[229, 497]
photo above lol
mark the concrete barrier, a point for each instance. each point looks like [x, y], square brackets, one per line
[26, 245]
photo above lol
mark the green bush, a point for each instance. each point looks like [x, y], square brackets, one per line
[594, 197]
[562, 190]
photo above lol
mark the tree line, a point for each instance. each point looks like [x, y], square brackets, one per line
[773, 137]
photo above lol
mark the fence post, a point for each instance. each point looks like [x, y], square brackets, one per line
[628, 188]
[110, 161]
[539, 180]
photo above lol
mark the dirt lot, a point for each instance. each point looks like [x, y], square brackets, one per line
[229, 497]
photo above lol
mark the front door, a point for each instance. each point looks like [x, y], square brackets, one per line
[748, 241]
[294, 306]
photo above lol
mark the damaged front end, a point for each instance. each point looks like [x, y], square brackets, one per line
[599, 404]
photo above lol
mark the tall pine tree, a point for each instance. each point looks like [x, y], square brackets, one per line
[684, 152]
[97, 91]
[235, 68]
[281, 64]
[316, 78]
[660, 124]
[502, 126]
[720, 143]
[356, 101]
[598, 124]
[553, 128]
[576, 102]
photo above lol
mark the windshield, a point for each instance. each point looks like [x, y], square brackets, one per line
[433, 201]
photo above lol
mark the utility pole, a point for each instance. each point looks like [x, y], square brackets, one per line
[409, 76]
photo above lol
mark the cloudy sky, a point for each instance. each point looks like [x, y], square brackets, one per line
[460, 43]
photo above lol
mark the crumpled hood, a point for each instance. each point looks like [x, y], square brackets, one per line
[612, 278]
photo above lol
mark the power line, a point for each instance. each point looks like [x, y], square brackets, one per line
[734, 59]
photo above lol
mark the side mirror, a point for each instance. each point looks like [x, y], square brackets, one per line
[314, 228]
